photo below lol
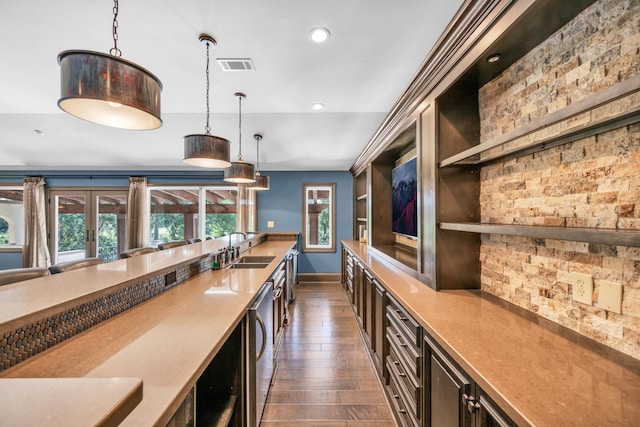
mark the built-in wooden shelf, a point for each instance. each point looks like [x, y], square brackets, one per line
[402, 257]
[593, 127]
[362, 197]
[577, 234]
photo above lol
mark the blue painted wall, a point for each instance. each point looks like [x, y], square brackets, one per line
[283, 205]
[10, 260]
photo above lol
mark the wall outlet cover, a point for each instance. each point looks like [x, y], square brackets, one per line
[582, 287]
[271, 224]
[610, 296]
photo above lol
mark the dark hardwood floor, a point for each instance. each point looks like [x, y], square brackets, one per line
[325, 377]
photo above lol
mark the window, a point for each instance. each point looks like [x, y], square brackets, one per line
[11, 216]
[319, 218]
[180, 213]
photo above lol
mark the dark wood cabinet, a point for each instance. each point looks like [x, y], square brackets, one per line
[358, 291]
[367, 308]
[378, 324]
[403, 365]
[452, 398]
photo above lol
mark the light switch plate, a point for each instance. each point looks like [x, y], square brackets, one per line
[610, 296]
[582, 287]
[271, 224]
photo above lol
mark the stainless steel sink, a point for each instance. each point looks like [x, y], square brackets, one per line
[255, 259]
[248, 265]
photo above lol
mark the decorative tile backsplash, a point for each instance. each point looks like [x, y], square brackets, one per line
[593, 182]
[20, 344]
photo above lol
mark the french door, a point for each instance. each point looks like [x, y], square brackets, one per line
[89, 223]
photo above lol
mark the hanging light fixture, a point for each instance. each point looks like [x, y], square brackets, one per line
[205, 150]
[107, 89]
[262, 181]
[240, 172]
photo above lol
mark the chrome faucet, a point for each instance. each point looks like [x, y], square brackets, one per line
[233, 253]
[244, 236]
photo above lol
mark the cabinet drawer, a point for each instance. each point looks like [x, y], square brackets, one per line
[404, 416]
[408, 387]
[409, 356]
[404, 322]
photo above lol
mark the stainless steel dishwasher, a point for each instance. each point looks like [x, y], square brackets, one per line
[260, 355]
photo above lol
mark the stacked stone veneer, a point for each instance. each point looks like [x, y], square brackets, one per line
[26, 341]
[592, 182]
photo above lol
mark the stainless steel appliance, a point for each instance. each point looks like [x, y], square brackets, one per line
[292, 274]
[260, 353]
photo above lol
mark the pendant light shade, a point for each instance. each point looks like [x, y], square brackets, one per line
[206, 150]
[108, 90]
[262, 181]
[240, 172]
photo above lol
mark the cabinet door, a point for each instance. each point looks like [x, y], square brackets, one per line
[379, 325]
[358, 291]
[448, 391]
[489, 414]
[367, 309]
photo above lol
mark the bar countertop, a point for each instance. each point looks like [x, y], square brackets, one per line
[166, 341]
[538, 372]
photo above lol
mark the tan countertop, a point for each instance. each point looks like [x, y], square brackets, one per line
[538, 372]
[166, 341]
[68, 402]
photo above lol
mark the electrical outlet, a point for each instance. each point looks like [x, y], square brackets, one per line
[582, 287]
[271, 224]
[610, 296]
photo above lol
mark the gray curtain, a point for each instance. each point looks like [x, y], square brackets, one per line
[35, 252]
[137, 213]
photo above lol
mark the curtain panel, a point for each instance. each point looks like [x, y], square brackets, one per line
[35, 252]
[137, 221]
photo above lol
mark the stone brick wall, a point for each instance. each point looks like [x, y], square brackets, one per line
[593, 182]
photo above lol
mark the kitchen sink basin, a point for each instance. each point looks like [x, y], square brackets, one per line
[255, 260]
[248, 265]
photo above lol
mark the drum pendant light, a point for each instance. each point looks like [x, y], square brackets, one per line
[206, 150]
[262, 181]
[240, 172]
[108, 90]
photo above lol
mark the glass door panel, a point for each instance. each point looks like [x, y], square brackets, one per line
[71, 232]
[111, 220]
[87, 224]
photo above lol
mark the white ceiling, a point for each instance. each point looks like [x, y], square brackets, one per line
[375, 48]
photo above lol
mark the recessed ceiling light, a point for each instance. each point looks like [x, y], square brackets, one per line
[320, 35]
[494, 58]
[318, 106]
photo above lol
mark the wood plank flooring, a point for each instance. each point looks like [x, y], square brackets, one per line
[325, 378]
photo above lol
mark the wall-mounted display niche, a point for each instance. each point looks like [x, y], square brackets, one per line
[392, 221]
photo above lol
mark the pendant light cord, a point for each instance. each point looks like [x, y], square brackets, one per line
[240, 128]
[114, 50]
[258, 138]
[207, 128]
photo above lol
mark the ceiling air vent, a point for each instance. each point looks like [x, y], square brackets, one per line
[236, 64]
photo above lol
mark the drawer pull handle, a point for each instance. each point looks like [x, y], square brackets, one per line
[402, 374]
[396, 396]
[403, 344]
[395, 362]
[402, 411]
